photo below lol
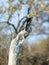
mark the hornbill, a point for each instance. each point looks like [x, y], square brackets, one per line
[27, 21]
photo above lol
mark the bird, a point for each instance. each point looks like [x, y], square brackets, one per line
[15, 47]
[25, 22]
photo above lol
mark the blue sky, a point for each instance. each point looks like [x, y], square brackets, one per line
[23, 12]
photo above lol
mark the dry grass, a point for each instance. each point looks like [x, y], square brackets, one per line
[37, 54]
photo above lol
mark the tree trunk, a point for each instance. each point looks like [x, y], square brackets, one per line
[15, 48]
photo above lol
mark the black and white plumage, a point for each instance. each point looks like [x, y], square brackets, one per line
[25, 23]
[15, 48]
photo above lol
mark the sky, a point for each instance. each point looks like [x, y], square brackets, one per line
[23, 12]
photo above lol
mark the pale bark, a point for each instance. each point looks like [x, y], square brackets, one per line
[15, 48]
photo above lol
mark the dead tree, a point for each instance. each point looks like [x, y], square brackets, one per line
[15, 48]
